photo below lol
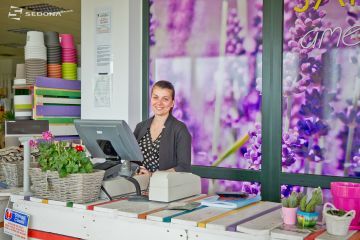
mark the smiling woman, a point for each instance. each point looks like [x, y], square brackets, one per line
[164, 141]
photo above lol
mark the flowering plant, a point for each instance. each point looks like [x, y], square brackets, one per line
[61, 156]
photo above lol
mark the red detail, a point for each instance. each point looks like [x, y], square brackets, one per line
[8, 214]
[91, 207]
[79, 148]
[48, 236]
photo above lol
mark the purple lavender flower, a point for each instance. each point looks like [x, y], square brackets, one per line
[153, 24]
[234, 43]
[349, 115]
[353, 15]
[258, 26]
[180, 20]
[309, 127]
[317, 104]
[316, 154]
[286, 190]
[356, 159]
[253, 151]
[251, 187]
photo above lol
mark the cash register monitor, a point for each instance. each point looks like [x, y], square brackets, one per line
[109, 139]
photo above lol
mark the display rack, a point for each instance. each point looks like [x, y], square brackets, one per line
[58, 101]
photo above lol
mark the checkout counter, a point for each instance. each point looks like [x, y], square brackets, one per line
[153, 218]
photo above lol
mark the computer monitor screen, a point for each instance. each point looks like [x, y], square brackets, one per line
[103, 137]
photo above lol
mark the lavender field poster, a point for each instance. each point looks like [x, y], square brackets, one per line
[321, 87]
[212, 52]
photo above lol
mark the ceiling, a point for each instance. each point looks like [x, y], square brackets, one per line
[68, 22]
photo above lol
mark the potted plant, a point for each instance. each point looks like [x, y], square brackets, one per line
[62, 157]
[289, 207]
[64, 172]
[337, 221]
[306, 215]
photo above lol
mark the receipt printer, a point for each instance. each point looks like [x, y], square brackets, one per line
[171, 186]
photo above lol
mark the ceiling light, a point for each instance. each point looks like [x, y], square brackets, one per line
[44, 7]
[20, 30]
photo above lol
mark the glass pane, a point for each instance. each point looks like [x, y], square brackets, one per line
[321, 88]
[212, 55]
[211, 186]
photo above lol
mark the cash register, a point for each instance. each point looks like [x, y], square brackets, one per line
[113, 148]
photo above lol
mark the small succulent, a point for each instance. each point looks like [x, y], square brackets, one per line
[292, 201]
[316, 199]
[335, 212]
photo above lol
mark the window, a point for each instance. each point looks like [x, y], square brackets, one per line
[321, 89]
[271, 67]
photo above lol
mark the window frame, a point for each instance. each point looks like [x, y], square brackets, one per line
[271, 176]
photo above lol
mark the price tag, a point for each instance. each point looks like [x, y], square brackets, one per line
[16, 223]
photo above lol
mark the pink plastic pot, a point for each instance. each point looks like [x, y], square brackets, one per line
[289, 215]
[67, 41]
[346, 196]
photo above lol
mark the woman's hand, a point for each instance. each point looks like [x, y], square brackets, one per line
[143, 170]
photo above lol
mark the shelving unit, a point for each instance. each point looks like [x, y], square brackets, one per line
[58, 101]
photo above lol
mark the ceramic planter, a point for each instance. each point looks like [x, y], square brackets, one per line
[306, 219]
[289, 215]
[337, 225]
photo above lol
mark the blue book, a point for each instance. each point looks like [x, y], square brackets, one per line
[231, 203]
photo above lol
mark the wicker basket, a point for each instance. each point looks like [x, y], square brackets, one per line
[77, 188]
[4, 200]
[14, 173]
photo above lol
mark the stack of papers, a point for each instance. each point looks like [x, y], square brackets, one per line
[230, 203]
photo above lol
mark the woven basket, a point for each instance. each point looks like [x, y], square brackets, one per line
[14, 173]
[76, 188]
[4, 200]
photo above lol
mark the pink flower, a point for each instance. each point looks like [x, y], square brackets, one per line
[47, 136]
[33, 143]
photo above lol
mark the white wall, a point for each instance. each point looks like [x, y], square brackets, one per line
[126, 51]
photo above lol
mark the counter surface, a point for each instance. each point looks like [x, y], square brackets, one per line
[149, 220]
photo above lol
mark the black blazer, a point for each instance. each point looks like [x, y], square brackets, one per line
[175, 144]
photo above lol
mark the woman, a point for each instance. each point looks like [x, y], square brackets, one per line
[164, 141]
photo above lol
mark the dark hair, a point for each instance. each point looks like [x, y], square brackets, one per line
[167, 85]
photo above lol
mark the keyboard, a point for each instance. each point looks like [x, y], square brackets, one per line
[106, 165]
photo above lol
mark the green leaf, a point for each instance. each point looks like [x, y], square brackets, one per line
[63, 173]
[88, 167]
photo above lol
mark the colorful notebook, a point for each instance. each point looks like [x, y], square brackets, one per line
[231, 203]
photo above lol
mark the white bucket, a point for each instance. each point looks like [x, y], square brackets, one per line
[336, 225]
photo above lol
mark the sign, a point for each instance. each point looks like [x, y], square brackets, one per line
[16, 223]
[317, 5]
[103, 46]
